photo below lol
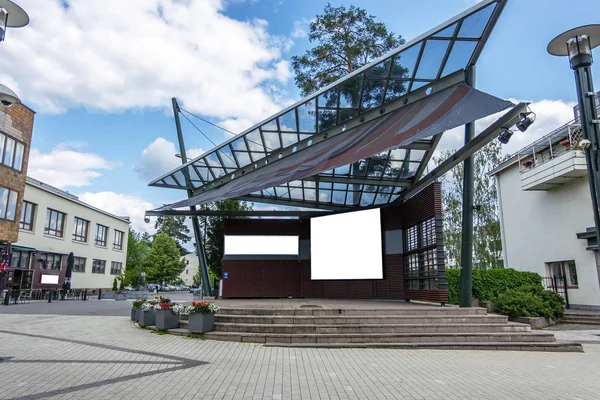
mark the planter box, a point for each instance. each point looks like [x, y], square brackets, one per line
[147, 318]
[166, 319]
[199, 323]
[535, 322]
[197, 297]
[134, 314]
[120, 296]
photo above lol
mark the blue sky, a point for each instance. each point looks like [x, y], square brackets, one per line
[101, 80]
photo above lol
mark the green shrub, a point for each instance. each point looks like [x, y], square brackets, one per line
[531, 301]
[122, 285]
[489, 285]
[114, 286]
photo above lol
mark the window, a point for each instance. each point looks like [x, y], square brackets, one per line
[50, 261]
[8, 203]
[187, 272]
[555, 269]
[98, 266]
[422, 266]
[55, 222]
[11, 152]
[20, 259]
[80, 230]
[101, 231]
[118, 243]
[79, 264]
[116, 268]
[27, 216]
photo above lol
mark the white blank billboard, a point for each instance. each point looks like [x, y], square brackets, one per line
[261, 245]
[50, 279]
[346, 246]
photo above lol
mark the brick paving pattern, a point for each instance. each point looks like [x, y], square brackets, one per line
[106, 357]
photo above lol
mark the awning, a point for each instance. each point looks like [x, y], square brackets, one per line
[19, 248]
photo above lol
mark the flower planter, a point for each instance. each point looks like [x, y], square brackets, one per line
[134, 314]
[166, 319]
[197, 297]
[120, 296]
[199, 323]
[147, 318]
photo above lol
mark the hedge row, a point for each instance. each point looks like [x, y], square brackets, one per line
[489, 285]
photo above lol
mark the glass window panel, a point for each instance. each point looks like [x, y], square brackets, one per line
[304, 135]
[409, 170]
[257, 156]
[370, 188]
[340, 186]
[282, 192]
[9, 151]
[417, 85]
[359, 168]
[394, 197]
[269, 192]
[352, 198]
[395, 89]
[343, 170]
[3, 201]
[18, 162]
[180, 178]
[366, 199]
[380, 70]
[289, 139]
[373, 93]
[432, 57]
[239, 145]
[448, 32]
[307, 121]
[382, 198]
[345, 115]
[254, 141]
[350, 92]
[2, 141]
[204, 173]
[474, 25]
[416, 155]
[170, 181]
[212, 160]
[329, 98]
[459, 56]
[270, 126]
[392, 169]
[398, 154]
[327, 119]
[328, 172]
[339, 197]
[296, 194]
[287, 122]
[310, 194]
[404, 62]
[309, 184]
[11, 208]
[325, 196]
[227, 158]
[193, 174]
[272, 140]
[325, 185]
[243, 158]
[218, 172]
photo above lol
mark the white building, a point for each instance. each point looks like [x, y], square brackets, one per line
[191, 269]
[546, 215]
[54, 223]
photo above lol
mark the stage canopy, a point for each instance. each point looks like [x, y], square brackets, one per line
[362, 141]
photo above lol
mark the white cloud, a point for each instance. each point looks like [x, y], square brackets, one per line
[550, 114]
[159, 158]
[122, 205]
[114, 55]
[301, 28]
[63, 166]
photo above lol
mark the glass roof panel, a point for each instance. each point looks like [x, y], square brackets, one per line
[343, 170]
[459, 56]
[392, 169]
[297, 193]
[416, 155]
[204, 173]
[180, 177]
[227, 158]
[213, 160]
[339, 197]
[416, 85]
[325, 185]
[169, 180]
[239, 145]
[329, 98]
[448, 32]
[380, 70]
[366, 199]
[325, 196]
[372, 95]
[474, 25]
[395, 89]
[345, 115]
[289, 139]
[327, 119]
[193, 174]
[409, 170]
[404, 62]
[398, 154]
[218, 172]
[307, 121]
[272, 140]
[340, 186]
[243, 158]
[352, 198]
[432, 57]
[310, 194]
[270, 126]
[254, 141]
[350, 92]
[287, 122]
[305, 135]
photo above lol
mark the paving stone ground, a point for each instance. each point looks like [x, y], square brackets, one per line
[78, 356]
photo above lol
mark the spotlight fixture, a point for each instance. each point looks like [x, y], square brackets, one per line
[526, 121]
[505, 136]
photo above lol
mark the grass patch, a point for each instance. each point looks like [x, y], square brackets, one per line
[159, 332]
[195, 336]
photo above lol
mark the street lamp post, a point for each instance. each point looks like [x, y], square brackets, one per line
[577, 44]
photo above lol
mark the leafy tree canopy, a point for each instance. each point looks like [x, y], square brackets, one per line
[175, 227]
[346, 39]
[163, 263]
[138, 246]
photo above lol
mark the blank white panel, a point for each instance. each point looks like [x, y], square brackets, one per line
[261, 245]
[50, 279]
[346, 246]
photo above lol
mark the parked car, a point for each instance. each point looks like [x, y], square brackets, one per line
[129, 288]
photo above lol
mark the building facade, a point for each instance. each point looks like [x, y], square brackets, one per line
[191, 269]
[16, 127]
[54, 223]
[546, 214]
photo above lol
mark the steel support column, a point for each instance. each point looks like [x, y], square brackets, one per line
[466, 263]
[206, 290]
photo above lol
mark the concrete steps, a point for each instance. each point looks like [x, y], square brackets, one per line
[321, 312]
[505, 346]
[363, 319]
[581, 317]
